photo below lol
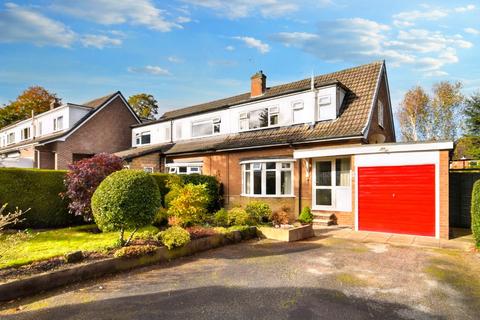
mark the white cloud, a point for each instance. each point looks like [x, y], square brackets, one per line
[254, 43]
[230, 48]
[111, 12]
[22, 24]
[175, 59]
[183, 19]
[473, 31]
[434, 14]
[469, 7]
[153, 70]
[99, 41]
[234, 9]
[360, 40]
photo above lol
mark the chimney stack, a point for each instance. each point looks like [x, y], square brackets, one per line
[259, 84]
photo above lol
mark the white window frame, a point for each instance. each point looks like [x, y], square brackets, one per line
[380, 113]
[40, 128]
[297, 106]
[261, 164]
[138, 138]
[245, 116]
[10, 138]
[148, 169]
[56, 122]
[333, 187]
[22, 133]
[191, 167]
[215, 123]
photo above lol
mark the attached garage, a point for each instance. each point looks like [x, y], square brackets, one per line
[397, 199]
[397, 188]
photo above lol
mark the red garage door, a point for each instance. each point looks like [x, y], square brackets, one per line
[397, 199]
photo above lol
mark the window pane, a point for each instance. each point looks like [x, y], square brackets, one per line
[247, 166]
[271, 182]
[324, 197]
[247, 183]
[323, 173]
[270, 165]
[286, 182]
[146, 138]
[258, 119]
[244, 124]
[287, 165]
[257, 182]
[274, 119]
[342, 172]
[216, 128]
[182, 169]
[202, 129]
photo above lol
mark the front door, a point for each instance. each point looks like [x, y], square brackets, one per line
[332, 185]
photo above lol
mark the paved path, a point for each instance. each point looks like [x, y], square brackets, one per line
[325, 278]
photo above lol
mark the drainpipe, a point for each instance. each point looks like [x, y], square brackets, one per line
[299, 186]
[171, 131]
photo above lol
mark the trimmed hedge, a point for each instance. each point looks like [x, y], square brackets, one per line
[214, 188]
[476, 212]
[38, 190]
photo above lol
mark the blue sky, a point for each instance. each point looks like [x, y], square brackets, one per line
[190, 51]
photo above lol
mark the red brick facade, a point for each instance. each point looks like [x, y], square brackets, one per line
[107, 131]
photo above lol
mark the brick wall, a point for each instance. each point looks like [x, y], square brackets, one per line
[444, 194]
[108, 131]
[152, 160]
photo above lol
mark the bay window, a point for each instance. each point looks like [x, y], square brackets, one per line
[267, 178]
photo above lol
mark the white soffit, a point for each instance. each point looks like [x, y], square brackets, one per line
[372, 149]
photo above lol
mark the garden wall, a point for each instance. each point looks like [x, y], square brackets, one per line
[461, 185]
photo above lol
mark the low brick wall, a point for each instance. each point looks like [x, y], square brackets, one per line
[43, 282]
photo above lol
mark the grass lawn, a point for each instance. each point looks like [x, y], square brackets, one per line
[21, 248]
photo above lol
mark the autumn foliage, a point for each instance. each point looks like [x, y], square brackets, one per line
[84, 177]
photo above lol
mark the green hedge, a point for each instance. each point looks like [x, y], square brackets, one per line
[214, 188]
[476, 212]
[38, 190]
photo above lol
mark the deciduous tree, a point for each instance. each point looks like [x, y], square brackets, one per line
[144, 105]
[472, 115]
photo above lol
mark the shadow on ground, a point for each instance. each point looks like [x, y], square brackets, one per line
[218, 302]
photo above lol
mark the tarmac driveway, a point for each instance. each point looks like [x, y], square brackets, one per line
[326, 278]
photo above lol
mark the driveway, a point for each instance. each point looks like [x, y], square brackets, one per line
[324, 278]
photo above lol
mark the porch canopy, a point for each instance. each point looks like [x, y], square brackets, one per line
[380, 148]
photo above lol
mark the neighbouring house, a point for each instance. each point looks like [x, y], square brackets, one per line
[327, 142]
[71, 132]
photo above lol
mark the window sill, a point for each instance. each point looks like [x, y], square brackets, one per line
[267, 195]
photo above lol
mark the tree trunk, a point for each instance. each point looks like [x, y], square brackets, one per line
[131, 236]
[121, 237]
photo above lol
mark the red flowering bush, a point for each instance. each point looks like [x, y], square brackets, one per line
[83, 178]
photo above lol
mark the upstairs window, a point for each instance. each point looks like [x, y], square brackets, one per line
[142, 138]
[206, 128]
[167, 133]
[260, 118]
[11, 138]
[58, 123]
[25, 133]
[297, 108]
[380, 113]
[39, 128]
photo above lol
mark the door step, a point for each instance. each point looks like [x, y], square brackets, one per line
[324, 219]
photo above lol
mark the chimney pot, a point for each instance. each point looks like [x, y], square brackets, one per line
[258, 84]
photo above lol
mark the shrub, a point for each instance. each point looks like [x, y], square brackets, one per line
[38, 190]
[281, 216]
[213, 187]
[10, 218]
[476, 212]
[135, 251]
[174, 184]
[306, 215]
[220, 218]
[162, 182]
[189, 206]
[197, 232]
[161, 217]
[126, 199]
[258, 211]
[238, 216]
[83, 178]
[174, 237]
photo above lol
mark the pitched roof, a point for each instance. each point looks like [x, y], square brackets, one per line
[354, 117]
[95, 105]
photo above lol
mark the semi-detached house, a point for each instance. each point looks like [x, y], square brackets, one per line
[60, 136]
[327, 142]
